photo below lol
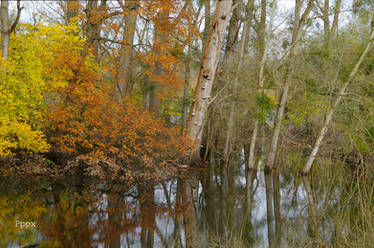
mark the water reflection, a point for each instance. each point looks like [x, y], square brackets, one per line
[223, 207]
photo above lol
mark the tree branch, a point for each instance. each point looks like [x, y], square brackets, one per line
[19, 9]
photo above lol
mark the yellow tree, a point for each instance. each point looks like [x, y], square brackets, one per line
[30, 75]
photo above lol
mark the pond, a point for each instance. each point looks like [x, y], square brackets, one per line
[214, 207]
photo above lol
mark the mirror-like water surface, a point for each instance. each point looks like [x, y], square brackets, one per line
[226, 207]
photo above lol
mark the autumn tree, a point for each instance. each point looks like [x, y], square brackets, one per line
[31, 74]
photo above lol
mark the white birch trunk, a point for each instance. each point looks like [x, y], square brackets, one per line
[207, 73]
[5, 34]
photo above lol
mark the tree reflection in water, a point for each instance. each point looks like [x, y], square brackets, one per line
[223, 207]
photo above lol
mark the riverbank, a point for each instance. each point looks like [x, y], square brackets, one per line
[35, 165]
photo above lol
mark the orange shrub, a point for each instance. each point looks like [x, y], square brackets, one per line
[84, 119]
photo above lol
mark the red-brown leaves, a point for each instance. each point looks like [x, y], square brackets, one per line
[86, 119]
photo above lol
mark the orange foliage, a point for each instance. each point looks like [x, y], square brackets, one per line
[86, 120]
[172, 29]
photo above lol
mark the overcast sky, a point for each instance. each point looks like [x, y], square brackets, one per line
[31, 7]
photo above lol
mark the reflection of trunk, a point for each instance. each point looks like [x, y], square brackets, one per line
[312, 209]
[189, 189]
[251, 175]
[230, 198]
[177, 240]
[59, 224]
[277, 209]
[227, 196]
[114, 219]
[147, 212]
[330, 113]
[245, 224]
[298, 25]
[206, 77]
[127, 53]
[209, 196]
[269, 208]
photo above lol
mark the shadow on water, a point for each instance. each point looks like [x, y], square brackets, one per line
[219, 207]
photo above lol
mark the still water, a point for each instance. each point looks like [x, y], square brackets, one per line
[225, 207]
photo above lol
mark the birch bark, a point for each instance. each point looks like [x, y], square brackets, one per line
[207, 72]
[4, 29]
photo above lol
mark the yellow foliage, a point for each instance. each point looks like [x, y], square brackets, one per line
[17, 134]
[28, 82]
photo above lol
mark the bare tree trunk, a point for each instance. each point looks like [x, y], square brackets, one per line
[187, 72]
[330, 113]
[298, 25]
[326, 23]
[261, 55]
[225, 71]
[186, 91]
[312, 210]
[207, 20]
[126, 81]
[335, 22]
[207, 73]
[232, 37]
[249, 12]
[251, 156]
[159, 37]
[154, 106]
[5, 35]
[328, 32]
[5, 29]
[94, 13]
[230, 61]
[147, 93]
[70, 9]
